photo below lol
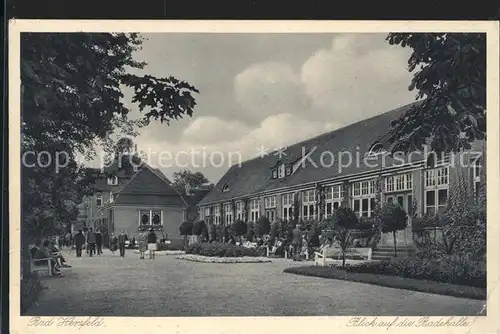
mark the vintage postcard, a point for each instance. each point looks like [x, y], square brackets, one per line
[254, 176]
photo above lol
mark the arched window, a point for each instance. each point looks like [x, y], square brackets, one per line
[156, 218]
[145, 219]
[375, 149]
[225, 188]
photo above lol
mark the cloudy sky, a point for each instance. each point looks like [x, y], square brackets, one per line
[267, 89]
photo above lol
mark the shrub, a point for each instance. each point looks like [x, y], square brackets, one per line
[238, 228]
[250, 231]
[448, 269]
[218, 249]
[169, 247]
[186, 229]
[344, 220]
[198, 227]
[273, 233]
[262, 226]
[313, 236]
[392, 218]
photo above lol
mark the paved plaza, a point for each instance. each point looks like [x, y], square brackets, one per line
[108, 285]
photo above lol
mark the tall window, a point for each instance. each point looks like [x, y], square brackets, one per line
[436, 189]
[308, 204]
[401, 182]
[239, 210]
[254, 210]
[363, 193]
[287, 206]
[217, 214]
[98, 200]
[206, 213]
[333, 199]
[228, 211]
[150, 217]
[112, 180]
[111, 197]
[270, 207]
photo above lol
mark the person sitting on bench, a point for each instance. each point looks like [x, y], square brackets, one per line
[56, 253]
[46, 253]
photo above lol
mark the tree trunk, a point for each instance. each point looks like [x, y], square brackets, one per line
[343, 259]
[394, 236]
[185, 241]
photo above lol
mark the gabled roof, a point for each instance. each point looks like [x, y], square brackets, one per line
[255, 175]
[148, 186]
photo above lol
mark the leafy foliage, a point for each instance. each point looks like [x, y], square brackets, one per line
[238, 228]
[448, 269]
[450, 76]
[72, 101]
[186, 228]
[262, 226]
[199, 227]
[188, 178]
[393, 218]
[344, 221]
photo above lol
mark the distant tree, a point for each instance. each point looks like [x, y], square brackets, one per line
[188, 178]
[451, 78]
[392, 219]
[344, 221]
[186, 229]
[274, 231]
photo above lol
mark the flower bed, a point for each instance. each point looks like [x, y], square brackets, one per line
[216, 259]
[392, 281]
[164, 252]
[217, 249]
[447, 269]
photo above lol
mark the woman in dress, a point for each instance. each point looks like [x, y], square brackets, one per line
[142, 243]
[113, 243]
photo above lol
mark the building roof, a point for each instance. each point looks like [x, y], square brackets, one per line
[255, 175]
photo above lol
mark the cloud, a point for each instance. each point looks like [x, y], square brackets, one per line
[269, 88]
[358, 77]
[212, 130]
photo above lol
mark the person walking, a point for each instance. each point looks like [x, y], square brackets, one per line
[113, 243]
[152, 243]
[296, 242]
[142, 243]
[98, 241]
[121, 242]
[91, 239]
[79, 242]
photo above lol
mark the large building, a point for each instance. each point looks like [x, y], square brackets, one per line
[316, 175]
[137, 199]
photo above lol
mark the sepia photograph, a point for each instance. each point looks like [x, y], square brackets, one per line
[255, 174]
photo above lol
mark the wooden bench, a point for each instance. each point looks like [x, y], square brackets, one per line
[43, 265]
[334, 255]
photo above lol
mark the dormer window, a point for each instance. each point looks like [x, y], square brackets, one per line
[225, 188]
[288, 170]
[111, 197]
[376, 149]
[112, 180]
[281, 171]
[275, 174]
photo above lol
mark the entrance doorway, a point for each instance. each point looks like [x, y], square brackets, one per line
[404, 237]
